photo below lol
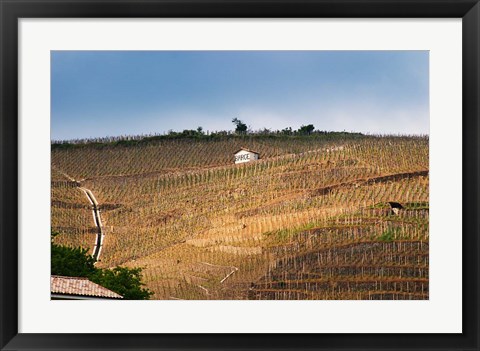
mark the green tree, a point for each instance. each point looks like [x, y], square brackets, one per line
[71, 262]
[306, 130]
[124, 281]
[76, 262]
[240, 127]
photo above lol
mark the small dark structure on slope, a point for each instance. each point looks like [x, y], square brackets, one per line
[396, 207]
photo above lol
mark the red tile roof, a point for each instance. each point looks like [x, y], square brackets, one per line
[79, 286]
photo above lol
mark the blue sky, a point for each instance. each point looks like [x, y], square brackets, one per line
[110, 93]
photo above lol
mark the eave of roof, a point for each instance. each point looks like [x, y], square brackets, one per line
[245, 149]
[79, 286]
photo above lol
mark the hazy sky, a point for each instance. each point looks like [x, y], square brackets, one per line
[109, 93]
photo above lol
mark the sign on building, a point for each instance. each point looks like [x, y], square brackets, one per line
[245, 155]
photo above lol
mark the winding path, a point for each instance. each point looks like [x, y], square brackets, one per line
[97, 249]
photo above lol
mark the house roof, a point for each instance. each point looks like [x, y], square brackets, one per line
[79, 286]
[245, 149]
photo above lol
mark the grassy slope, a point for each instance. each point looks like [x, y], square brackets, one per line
[299, 223]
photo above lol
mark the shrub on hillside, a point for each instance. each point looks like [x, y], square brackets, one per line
[76, 262]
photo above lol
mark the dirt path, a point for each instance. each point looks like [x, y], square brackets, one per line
[97, 249]
[368, 181]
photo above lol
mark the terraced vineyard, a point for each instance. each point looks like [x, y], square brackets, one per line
[370, 254]
[71, 213]
[310, 220]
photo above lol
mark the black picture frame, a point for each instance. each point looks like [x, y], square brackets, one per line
[12, 10]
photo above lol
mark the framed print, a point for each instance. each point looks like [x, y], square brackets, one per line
[221, 175]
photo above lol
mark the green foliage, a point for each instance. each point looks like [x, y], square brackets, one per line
[241, 128]
[306, 130]
[187, 133]
[419, 205]
[71, 262]
[124, 281]
[131, 141]
[76, 262]
[389, 235]
[279, 235]
[287, 234]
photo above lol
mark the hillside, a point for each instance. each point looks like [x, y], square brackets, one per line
[309, 220]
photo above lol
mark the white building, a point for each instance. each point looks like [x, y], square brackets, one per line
[245, 155]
